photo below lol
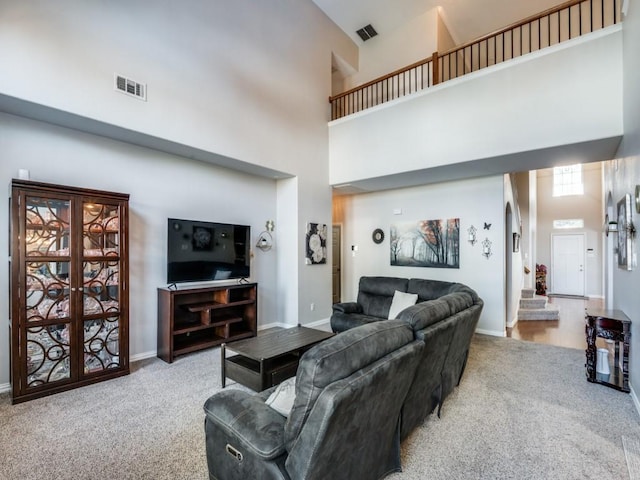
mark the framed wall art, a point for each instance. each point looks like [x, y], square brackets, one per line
[316, 244]
[625, 232]
[426, 243]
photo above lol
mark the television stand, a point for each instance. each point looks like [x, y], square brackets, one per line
[193, 319]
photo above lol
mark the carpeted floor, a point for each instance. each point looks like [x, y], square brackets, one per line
[632, 454]
[522, 411]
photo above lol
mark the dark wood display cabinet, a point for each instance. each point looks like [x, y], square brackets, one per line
[192, 319]
[69, 296]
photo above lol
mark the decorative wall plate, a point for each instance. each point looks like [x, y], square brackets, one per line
[378, 235]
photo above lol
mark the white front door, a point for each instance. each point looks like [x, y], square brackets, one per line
[567, 264]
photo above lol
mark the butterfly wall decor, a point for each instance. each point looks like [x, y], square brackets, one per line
[487, 226]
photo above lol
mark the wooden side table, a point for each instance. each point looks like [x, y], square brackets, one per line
[611, 325]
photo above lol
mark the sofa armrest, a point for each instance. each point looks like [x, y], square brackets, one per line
[347, 307]
[246, 418]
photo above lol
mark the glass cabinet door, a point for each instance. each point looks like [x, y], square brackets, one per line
[101, 286]
[69, 302]
[47, 307]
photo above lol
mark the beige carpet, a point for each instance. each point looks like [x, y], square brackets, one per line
[523, 411]
[632, 454]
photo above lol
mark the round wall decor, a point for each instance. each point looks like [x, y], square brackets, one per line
[378, 235]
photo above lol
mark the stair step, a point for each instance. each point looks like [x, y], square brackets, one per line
[527, 292]
[547, 313]
[531, 303]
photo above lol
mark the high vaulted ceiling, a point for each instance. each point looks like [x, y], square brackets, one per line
[466, 19]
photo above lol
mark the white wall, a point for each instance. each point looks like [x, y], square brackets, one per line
[621, 177]
[514, 274]
[474, 202]
[244, 79]
[247, 80]
[160, 186]
[530, 103]
[587, 207]
[410, 42]
[533, 226]
[522, 183]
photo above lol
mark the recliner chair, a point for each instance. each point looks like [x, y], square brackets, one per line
[345, 420]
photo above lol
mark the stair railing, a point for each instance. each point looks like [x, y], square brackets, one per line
[550, 27]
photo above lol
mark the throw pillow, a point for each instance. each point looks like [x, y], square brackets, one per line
[401, 301]
[281, 400]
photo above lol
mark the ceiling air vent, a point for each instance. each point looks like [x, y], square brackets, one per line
[367, 32]
[131, 87]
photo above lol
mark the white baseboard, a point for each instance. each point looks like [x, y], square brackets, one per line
[493, 333]
[143, 356]
[634, 397]
[5, 387]
[266, 326]
[512, 323]
[322, 324]
[152, 353]
[318, 323]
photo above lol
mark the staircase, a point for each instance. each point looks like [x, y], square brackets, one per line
[535, 307]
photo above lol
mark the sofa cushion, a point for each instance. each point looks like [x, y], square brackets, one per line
[344, 321]
[257, 427]
[376, 293]
[346, 307]
[281, 399]
[426, 313]
[429, 289]
[458, 301]
[337, 358]
[401, 301]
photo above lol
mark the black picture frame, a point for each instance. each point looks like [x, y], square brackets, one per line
[624, 232]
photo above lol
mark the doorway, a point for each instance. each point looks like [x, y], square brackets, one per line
[336, 263]
[568, 264]
[508, 228]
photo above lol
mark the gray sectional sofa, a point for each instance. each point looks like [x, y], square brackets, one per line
[349, 391]
[357, 395]
[444, 317]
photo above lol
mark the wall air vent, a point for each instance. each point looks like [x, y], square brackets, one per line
[130, 87]
[367, 32]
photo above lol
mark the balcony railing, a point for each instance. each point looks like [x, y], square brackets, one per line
[558, 24]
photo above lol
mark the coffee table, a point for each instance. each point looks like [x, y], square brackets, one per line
[268, 359]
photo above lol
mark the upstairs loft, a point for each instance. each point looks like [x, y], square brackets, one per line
[493, 114]
[526, 97]
[564, 22]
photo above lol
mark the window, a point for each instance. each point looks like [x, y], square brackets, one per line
[569, 223]
[567, 180]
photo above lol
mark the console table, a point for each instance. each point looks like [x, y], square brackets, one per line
[611, 325]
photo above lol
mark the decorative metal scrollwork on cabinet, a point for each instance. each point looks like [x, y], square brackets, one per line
[69, 265]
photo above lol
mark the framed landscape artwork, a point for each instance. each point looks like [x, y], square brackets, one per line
[426, 243]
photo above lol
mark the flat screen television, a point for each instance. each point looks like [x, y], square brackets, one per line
[205, 251]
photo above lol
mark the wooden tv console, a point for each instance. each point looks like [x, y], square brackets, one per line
[193, 319]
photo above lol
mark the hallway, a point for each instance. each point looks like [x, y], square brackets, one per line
[566, 332]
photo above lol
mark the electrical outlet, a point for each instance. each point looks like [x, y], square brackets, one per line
[312, 306]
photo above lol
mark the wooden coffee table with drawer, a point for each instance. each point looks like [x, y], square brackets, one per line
[268, 359]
